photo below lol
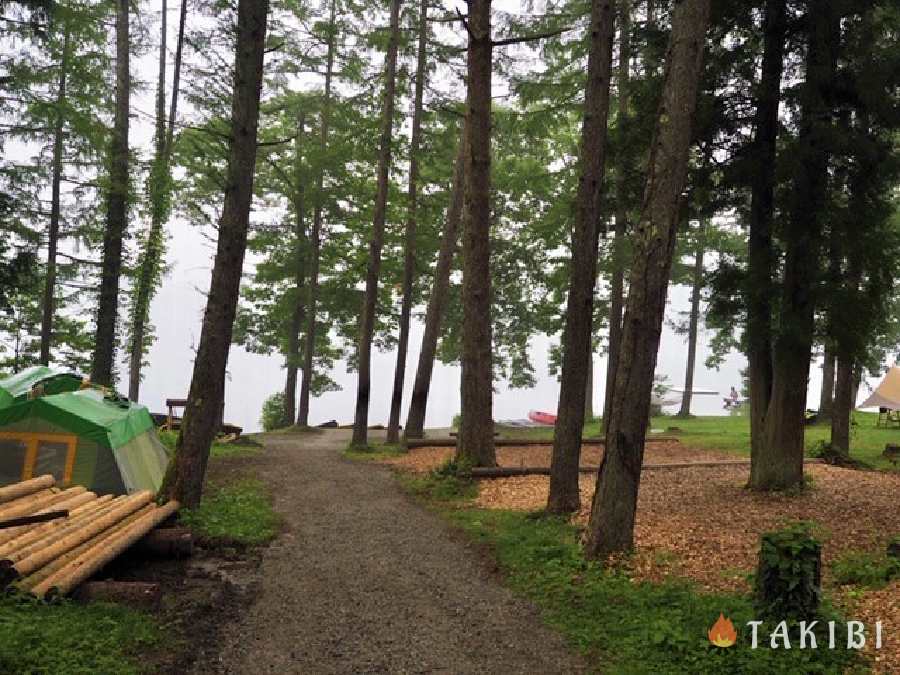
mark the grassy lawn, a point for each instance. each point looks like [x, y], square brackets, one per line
[732, 434]
[237, 510]
[73, 639]
[375, 451]
[237, 513]
[623, 626]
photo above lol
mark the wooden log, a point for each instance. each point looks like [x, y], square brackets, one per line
[69, 541]
[65, 580]
[33, 519]
[26, 487]
[25, 535]
[170, 542]
[508, 471]
[27, 544]
[141, 594]
[501, 442]
[29, 582]
[27, 504]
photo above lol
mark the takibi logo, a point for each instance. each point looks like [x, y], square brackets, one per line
[722, 633]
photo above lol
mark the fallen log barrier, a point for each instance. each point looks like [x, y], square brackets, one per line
[505, 442]
[142, 594]
[509, 471]
[60, 537]
[169, 542]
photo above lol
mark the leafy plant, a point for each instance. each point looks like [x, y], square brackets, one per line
[789, 575]
[860, 568]
[273, 413]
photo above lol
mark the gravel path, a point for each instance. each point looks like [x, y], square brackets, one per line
[363, 580]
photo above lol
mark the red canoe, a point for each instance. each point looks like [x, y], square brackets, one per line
[542, 417]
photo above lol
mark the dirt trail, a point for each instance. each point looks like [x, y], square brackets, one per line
[363, 580]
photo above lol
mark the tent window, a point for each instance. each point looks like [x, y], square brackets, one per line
[42, 454]
[12, 459]
[51, 458]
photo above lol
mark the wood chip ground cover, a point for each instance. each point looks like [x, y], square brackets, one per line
[701, 522]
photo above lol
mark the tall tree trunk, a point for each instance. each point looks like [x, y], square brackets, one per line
[843, 405]
[761, 256]
[611, 526]
[589, 387]
[693, 323]
[160, 190]
[208, 381]
[623, 168]
[316, 236]
[409, 261]
[778, 463]
[53, 233]
[292, 358]
[116, 210]
[578, 333]
[370, 301]
[826, 396]
[434, 313]
[475, 443]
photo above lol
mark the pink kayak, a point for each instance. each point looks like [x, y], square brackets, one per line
[539, 417]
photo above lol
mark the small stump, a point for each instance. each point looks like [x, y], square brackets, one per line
[789, 574]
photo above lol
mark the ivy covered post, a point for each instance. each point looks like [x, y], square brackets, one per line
[789, 575]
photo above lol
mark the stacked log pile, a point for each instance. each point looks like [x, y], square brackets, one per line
[68, 534]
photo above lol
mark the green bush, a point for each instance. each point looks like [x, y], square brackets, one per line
[860, 568]
[789, 575]
[273, 413]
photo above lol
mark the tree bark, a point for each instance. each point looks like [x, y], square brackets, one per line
[316, 236]
[693, 324]
[434, 313]
[826, 397]
[208, 381]
[475, 444]
[409, 260]
[779, 459]
[53, 233]
[589, 387]
[370, 301]
[843, 405]
[623, 167]
[160, 191]
[760, 252]
[578, 332]
[611, 526]
[292, 358]
[116, 210]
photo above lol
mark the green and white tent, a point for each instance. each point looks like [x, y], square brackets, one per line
[103, 442]
[20, 386]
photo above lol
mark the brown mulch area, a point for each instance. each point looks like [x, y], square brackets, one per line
[425, 459]
[701, 523]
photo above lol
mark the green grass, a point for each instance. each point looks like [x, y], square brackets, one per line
[72, 639]
[732, 434]
[217, 450]
[240, 512]
[375, 451]
[625, 627]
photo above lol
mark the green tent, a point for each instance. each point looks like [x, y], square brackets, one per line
[17, 387]
[105, 443]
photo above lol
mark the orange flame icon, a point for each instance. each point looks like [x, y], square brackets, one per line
[722, 633]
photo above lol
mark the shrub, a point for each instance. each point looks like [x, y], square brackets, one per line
[273, 413]
[789, 575]
[865, 569]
